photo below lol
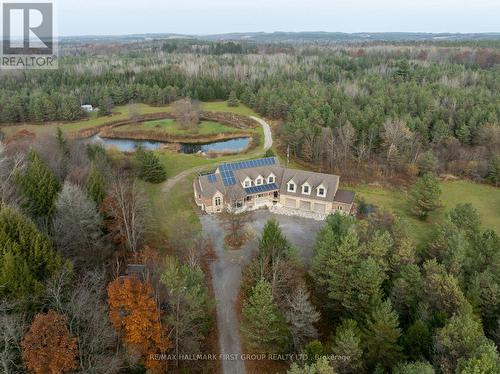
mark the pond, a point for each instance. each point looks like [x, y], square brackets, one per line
[129, 145]
[233, 145]
[124, 145]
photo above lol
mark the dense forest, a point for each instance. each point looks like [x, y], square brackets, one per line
[339, 105]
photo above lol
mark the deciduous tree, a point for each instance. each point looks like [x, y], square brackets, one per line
[48, 347]
[135, 315]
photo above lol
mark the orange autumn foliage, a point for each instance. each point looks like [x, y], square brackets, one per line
[48, 347]
[134, 313]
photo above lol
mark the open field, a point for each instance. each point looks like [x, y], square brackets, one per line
[170, 126]
[486, 199]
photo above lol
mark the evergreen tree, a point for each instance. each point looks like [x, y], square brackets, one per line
[263, 326]
[38, 187]
[406, 291]
[364, 291]
[96, 186]
[467, 218]
[339, 269]
[417, 341]
[150, 168]
[27, 259]
[232, 101]
[273, 243]
[414, 368]
[427, 163]
[320, 366]
[494, 170]
[424, 196]
[347, 343]
[459, 339]
[484, 361]
[381, 337]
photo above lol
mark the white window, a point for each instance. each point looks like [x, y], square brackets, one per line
[258, 181]
[247, 183]
[271, 179]
[291, 187]
[306, 189]
[321, 192]
[217, 201]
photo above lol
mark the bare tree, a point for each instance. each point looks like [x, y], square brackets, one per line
[301, 316]
[396, 134]
[235, 224]
[9, 166]
[133, 112]
[82, 301]
[186, 113]
[12, 327]
[77, 226]
[126, 206]
[344, 139]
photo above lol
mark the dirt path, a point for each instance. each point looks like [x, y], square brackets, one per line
[268, 135]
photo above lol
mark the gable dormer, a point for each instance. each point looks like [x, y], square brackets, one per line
[259, 181]
[271, 178]
[247, 182]
[306, 188]
[291, 186]
[321, 190]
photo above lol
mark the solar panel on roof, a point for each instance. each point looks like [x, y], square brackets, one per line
[212, 178]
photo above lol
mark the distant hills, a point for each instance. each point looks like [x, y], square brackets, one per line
[292, 37]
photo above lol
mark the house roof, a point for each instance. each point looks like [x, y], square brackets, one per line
[299, 177]
[228, 179]
[344, 196]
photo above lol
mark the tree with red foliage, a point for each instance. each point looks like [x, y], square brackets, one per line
[48, 347]
[134, 313]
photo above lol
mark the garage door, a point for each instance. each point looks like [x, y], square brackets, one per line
[290, 203]
[305, 205]
[319, 208]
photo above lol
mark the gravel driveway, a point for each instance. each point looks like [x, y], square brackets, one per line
[226, 274]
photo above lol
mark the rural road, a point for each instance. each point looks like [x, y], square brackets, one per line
[268, 143]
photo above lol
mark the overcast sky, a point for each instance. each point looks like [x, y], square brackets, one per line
[113, 17]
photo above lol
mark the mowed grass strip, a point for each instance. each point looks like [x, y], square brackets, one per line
[170, 126]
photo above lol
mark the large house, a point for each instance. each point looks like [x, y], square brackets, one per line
[253, 184]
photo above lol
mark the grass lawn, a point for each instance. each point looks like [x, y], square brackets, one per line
[119, 113]
[221, 106]
[174, 213]
[170, 126]
[486, 199]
